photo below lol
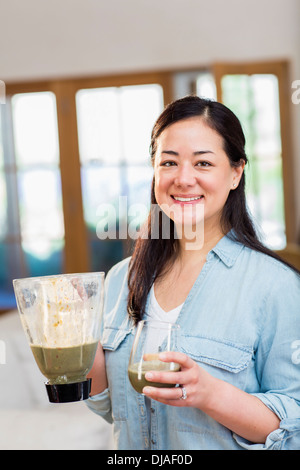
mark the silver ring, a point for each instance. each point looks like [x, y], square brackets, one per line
[184, 394]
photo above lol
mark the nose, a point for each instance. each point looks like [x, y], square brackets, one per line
[185, 176]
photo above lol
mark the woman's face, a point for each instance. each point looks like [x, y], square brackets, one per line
[193, 175]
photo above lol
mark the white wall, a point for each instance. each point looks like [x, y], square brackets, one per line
[79, 37]
[60, 38]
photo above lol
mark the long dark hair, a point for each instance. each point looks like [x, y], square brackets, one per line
[151, 254]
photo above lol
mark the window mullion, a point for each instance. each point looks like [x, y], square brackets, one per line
[76, 248]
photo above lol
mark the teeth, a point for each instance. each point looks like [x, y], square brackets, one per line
[187, 199]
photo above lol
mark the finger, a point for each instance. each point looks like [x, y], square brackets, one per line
[164, 394]
[176, 356]
[150, 357]
[165, 377]
[167, 396]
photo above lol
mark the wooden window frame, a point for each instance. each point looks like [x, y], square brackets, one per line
[76, 253]
[281, 70]
[76, 250]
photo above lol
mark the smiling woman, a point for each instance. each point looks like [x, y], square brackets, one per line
[236, 302]
[185, 130]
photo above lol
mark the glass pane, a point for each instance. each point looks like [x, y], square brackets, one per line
[35, 128]
[105, 253]
[3, 206]
[3, 195]
[43, 256]
[100, 186]
[114, 129]
[9, 255]
[11, 267]
[255, 100]
[206, 87]
[139, 186]
[31, 216]
[98, 125]
[267, 203]
[139, 108]
[114, 124]
[267, 121]
[1, 143]
[12, 227]
[40, 204]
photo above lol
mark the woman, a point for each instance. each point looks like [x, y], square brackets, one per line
[236, 303]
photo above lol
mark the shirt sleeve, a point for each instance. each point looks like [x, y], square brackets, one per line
[101, 405]
[278, 363]
[287, 436]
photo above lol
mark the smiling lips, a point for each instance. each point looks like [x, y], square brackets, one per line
[186, 199]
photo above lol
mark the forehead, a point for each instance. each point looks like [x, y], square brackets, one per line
[190, 132]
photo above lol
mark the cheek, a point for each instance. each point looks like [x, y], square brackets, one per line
[217, 183]
[161, 185]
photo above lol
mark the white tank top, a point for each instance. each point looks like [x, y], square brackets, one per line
[155, 312]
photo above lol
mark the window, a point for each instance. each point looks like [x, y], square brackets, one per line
[114, 129]
[32, 228]
[255, 99]
[75, 171]
[256, 92]
[39, 185]
[67, 148]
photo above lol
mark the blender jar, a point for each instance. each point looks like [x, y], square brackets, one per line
[61, 317]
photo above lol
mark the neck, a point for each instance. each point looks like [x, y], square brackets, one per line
[199, 246]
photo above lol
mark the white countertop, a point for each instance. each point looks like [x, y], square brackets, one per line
[27, 419]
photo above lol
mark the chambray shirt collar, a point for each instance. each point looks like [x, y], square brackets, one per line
[228, 249]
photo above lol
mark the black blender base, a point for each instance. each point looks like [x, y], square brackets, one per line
[64, 393]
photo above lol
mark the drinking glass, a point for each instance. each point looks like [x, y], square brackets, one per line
[152, 338]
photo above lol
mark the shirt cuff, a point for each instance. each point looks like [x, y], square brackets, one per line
[101, 405]
[287, 436]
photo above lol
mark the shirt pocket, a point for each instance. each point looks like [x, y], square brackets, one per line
[226, 360]
[116, 343]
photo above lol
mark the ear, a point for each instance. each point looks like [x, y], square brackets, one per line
[237, 172]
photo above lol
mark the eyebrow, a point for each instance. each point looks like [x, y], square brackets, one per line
[198, 152]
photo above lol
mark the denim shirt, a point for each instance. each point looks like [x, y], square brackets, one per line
[241, 323]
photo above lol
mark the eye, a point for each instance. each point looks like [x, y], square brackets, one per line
[168, 163]
[203, 164]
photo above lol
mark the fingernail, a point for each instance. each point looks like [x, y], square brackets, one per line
[149, 375]
[146, 390]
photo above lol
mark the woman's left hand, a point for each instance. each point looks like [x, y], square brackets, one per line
[196, 381]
